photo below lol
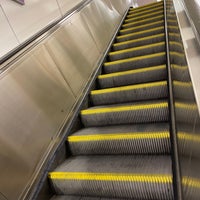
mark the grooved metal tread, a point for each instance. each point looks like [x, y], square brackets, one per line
[124, 139]
[124, 78]
[116, 176]
[67, 197]
[131, 93]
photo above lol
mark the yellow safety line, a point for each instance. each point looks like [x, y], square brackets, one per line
[140, 32]
[179, 67]
[144, 16]
[174, 53]
[175, 43]
[129, 87]
[171, 20]
[134, 71]
[119, 136]
[125, 177]
[191, 182]
[143, 20]
[141, 26]
[191, 106]
[174, 34]
[124, 108]
[134, 59]
[189, 136]
[182, 84]
[137, 40]
[137, 48]
[133, 14]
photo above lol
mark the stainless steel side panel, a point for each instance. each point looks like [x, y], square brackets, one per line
[34, 102]
[39, 90]
[74, 52]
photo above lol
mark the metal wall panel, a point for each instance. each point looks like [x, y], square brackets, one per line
[32, 17]
[66, 5]
[74, 52]
[34, 102]
[8, 40]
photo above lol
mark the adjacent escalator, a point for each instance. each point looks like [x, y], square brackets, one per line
[123, 150]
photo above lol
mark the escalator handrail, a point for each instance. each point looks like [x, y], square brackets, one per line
[173, 130]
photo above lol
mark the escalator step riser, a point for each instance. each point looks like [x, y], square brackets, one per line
[131, 77]
[138, 178]
[126, 116]
[142, 62]
[139, 42]
[129, 94]
[141, 28]
[150, 49]
[140, 34]
[178, 59]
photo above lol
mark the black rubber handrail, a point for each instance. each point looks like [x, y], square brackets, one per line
[173, 130]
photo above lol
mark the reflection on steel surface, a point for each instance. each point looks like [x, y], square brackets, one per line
[22, 2]
[188, 122]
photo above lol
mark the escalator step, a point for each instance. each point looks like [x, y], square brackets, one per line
[141, 27]
[116, 176]
[131, 93]
[145, 112]
[137, 51]
[140, 34]
[139, 42]
[149, 15]
[146, 7]
[135, 63]
[142, 22]
[156, 73]
[124, 139]
[136, 14]
[180, 73]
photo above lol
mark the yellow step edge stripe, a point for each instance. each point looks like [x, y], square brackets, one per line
[134, 71]
[189, 136]
[182, 84]
[144, 16]
[179, 67]
[174, 34]
[133, 14]
[171, 20]
[137, 40]
[174, 53]
[191, 182]
[130, 87]
[176, 43]
[140, 32]
[106, 64]
[124, 108]
[137, 48]
[143, 20]
[190, 106]
[119, 136]
[125, 177]
[141, 26]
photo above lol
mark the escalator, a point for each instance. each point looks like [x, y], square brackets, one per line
[123, 150]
